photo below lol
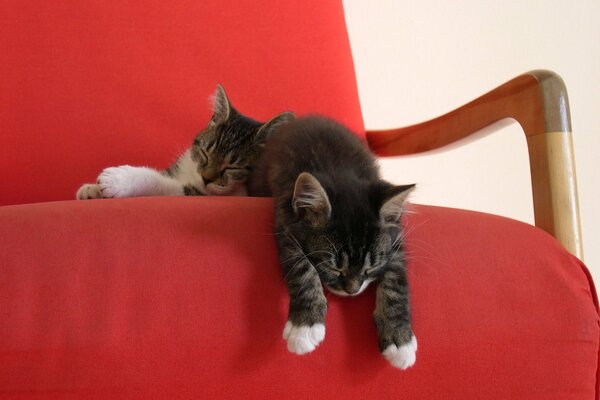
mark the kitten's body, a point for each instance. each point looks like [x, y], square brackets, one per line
[337, 225]
[218, 163]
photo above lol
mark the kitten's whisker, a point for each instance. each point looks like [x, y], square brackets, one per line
[302, 254]
[415, 244]
[410, 255]
[332, 245]
[293, 267]
[411, 228]
[298, 246]
[320, 251]
[322, 262]
[399, 239]
[412, 258]
[292, 258]
[405, 232]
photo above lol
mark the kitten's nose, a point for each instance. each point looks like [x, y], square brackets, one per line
[352, 286]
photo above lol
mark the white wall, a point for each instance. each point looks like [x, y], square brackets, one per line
[418, 60]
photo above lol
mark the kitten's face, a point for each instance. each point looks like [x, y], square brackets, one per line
[229, 147]
[225, 153]
[349, 246]
[348, 261]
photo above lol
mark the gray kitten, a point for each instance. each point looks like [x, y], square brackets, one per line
[218, 163]
[337, 225]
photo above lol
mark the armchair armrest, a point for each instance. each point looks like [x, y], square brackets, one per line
[538, 101]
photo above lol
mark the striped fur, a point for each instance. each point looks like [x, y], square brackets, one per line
[218, 163]
[338, 227]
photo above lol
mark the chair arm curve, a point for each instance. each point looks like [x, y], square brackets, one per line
[538, 101]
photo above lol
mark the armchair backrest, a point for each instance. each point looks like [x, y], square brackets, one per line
[86, 85]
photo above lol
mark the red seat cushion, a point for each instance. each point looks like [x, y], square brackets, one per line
[183, 298]
[85, 85]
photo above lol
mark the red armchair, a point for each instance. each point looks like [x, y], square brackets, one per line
[183, 297]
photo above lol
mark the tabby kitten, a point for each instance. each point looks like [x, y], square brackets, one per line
[217, 164]
[337, 225]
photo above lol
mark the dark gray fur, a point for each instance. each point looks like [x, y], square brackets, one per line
[336, 226]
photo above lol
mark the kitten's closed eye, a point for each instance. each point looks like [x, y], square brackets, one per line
[234, 169]
[335, 271]
[236, 173]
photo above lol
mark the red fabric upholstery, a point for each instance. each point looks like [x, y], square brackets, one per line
[85, 85]
[183, 298]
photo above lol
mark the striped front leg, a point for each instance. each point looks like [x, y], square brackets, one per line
[305, 328]
[397, 342]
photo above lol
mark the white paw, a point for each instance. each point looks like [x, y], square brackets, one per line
[303, 339]
[118, 181]
[89, 191]
[402, 357]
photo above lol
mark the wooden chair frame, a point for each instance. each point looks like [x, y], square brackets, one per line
[538, 101]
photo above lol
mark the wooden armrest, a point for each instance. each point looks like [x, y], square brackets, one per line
[538, 101]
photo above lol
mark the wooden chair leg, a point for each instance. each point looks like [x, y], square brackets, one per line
[552, 164]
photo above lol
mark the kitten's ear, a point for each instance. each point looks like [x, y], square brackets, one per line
[221, 106]
[264, 131]
[394, 199]
[310, 202]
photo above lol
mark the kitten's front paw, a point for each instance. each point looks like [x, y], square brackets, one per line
[117, 181]
[89, 191]
[303, 339]
[403, 356]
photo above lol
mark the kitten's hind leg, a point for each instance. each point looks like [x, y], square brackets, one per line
[305, 328]
[397, 341]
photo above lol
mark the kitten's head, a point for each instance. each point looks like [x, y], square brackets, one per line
[348, 237]
[230, 145]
